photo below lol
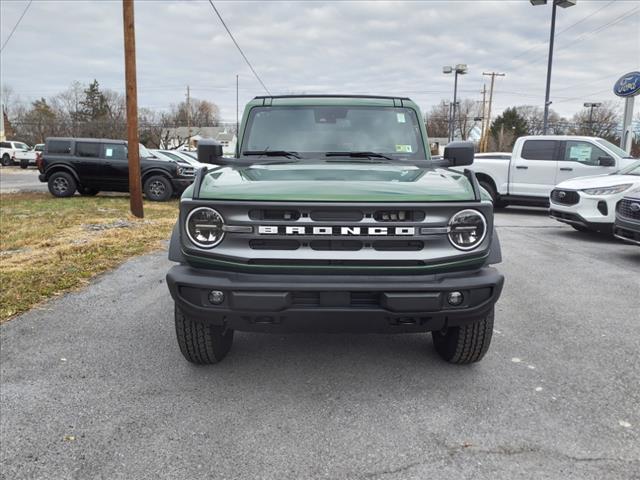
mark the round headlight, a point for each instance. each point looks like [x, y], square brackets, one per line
[204, 227]
[467, 229]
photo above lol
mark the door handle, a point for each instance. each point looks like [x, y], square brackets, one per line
[521, 167]
[566, 169]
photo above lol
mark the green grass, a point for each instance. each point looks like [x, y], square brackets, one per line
[51, 245]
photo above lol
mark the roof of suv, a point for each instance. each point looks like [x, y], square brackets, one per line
[110, 140]
[332, 100]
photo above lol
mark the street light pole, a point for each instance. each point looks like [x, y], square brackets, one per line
[591, 106]
[460, 69]
[556, 3]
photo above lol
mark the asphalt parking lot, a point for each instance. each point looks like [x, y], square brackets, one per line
[93, 384]
[15, 179]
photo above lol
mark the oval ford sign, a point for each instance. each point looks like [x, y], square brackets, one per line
[628, 85]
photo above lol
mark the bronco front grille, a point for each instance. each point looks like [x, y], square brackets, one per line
[565, 197]
[629, 208]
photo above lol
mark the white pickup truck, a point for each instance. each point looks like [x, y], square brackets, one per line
[538, 163]
[10, 152]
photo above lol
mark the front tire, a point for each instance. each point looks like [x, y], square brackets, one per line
[88, 191]
[465, 344]
[158, 188]
[201, 343]
[492, 193]
[24, 164]
[62, 184]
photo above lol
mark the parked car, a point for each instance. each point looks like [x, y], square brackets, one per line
[540, 162]
[589, 203]
[90, 165]
[184, 168]
[334, 218]
[8, 151]
[627, 224]
[29, 158]
[183, 156]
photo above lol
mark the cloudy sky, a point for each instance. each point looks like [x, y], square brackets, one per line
[385, 48]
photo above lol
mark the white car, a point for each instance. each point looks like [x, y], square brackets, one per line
[10, 150]
[589, 203]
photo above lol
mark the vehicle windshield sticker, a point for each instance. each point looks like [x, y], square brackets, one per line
[403, 149]
[109, 152]
[581, 153]
[401, 118]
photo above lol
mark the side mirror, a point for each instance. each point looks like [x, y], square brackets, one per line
[606, 161]
[209, 151]
[459, 153]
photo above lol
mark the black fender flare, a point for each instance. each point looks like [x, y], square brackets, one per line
[175, 246]
[495, 251]
[61, 167]
[155, 171]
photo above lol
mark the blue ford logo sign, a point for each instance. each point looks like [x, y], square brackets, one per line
[628, 85]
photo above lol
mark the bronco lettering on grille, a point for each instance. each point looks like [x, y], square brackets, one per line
[346, 231]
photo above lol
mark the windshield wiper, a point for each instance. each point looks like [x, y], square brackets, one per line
[271, 153]
[360, 155]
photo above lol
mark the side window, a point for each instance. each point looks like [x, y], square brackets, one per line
[60, 147]
[539, 150]
[114, 151]
[88, 149]
[583, 152]
[5, 145]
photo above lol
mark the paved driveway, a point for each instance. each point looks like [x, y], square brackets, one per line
[93, 384]
[15, 179]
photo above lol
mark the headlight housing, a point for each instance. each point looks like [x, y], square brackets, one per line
[607, 190]
[467, 229]
[204, 227]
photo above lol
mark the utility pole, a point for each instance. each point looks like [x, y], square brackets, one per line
[237, 110]
[493, 76]
[591, 106]
[188, 118]
[484, 105]
[135, 185]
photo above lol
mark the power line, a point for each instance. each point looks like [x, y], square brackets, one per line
[238, 47]
[16, 25]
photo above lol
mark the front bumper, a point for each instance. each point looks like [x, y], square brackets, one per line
[181, 184]
[572, 218]
[380, 303]
[590, 209]
[627, 230]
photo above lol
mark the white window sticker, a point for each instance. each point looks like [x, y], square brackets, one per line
[581, 153]
[401, 118]
[109, 152]
[403, 149]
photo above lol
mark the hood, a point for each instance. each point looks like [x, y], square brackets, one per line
[598, 181]
[333, 182]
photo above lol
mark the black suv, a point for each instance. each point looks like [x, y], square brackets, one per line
[90, 165]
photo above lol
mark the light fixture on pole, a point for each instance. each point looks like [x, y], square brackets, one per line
[561, 4]
[591, 106]
[459, 69]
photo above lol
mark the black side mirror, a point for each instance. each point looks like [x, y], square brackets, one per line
[606, 161]
[209, 151]
[459, 153]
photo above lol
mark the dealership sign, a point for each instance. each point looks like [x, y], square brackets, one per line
[628, 85]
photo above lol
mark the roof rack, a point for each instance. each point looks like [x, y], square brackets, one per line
[330, 96]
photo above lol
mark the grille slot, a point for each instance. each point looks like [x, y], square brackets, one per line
[565, 197]
[307, 299]
[399, 216]
[355, 299]
[343, 263]
[625, 210]
[340, 245]
[275, 214]
[398, 245]
[274, 244]
[336, 215]
[365, 299]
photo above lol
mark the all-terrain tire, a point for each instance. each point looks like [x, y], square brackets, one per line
[201, 343]
[24, 164]
[62, 184]
[88, 191]
[158, 188]
[497, 203]
[465, 344]
[6, 160]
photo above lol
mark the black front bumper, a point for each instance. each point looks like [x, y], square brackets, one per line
[181, 184]
[575, 219]
[380, 303]
[627, 230]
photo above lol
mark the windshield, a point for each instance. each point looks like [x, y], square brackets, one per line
[22, 146]
[144, 153]
[314, 130]
[633, 169]
[615, 149]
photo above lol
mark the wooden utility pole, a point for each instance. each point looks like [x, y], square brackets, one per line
[188, 118]
[493, 76]
[135, 184]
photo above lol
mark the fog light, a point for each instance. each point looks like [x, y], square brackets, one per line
[455, 298]
[216, 297]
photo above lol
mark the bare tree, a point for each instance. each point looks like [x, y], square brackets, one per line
[437, 120]
[602, 122]
[466, 112]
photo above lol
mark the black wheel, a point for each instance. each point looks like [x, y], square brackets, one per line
[6, 160]
[492, 193]
[62, 184]
[580, 228]
[24, 164]
[201, 343]
[158, 188]
[465, 344]
[88, 191]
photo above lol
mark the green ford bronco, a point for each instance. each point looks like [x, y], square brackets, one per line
[332, 217]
